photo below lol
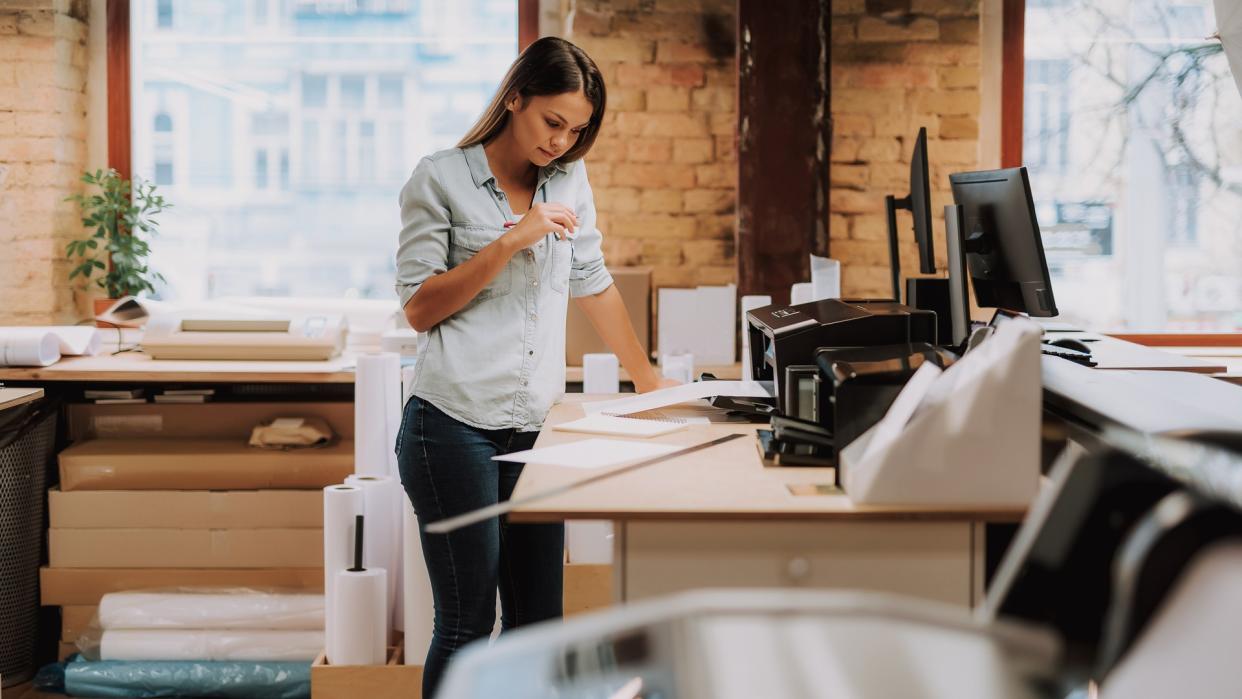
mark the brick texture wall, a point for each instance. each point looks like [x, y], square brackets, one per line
[42, 154]
[897, 65]
[664, 168]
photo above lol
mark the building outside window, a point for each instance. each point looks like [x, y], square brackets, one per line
[1133, 137]
[283, 130]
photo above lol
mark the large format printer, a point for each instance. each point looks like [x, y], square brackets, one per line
[1121, 581]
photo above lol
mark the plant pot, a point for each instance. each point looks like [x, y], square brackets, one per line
[100, 306]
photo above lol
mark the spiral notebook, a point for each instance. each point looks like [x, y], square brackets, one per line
[637, 426]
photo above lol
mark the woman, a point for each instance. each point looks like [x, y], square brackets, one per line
[496, 235]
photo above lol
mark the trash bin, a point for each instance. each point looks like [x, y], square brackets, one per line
[27, 444]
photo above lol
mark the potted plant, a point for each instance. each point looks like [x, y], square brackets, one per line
[118, 221]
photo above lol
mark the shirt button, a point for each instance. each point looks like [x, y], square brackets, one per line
[531, 353]
[534, 283]
[532, 316]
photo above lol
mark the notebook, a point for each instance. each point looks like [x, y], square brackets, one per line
[599, 423]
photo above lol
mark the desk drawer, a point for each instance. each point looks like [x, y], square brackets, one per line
[930, 560]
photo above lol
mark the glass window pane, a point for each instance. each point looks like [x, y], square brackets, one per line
[353, 91]
[1131, 138]
[293, 126]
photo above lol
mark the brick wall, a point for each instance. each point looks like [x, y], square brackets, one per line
[664, 168]
[897, 65]
[42, 153]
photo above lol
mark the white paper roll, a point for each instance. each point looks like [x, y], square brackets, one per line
[341, 503]
[200, 644]
[749, 303]
[28, 347]
[802, 292]
[71, 340]
[361, 617]
[211, 610]
[679, 367]
[377, 413]
[381, 505]
[589, 541]
[416, 588]
[600, 373]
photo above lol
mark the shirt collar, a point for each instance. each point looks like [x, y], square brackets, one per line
[476, 160]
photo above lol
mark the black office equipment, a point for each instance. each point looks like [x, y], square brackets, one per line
[1070, 343]
[1004, 250]
[918, 203]
[784, 336]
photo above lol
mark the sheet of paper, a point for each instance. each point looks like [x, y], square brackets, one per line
[680, 394]
[590, 453]
[894, 421]
[599, 423]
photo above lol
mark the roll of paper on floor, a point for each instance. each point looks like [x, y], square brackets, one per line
[361, 610]
[341, 504]
[381, 497]
[600, 373]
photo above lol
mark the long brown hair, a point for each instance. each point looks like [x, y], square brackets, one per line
[549, 66]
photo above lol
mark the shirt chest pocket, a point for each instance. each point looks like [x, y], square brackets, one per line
[466, 241]
[562, 261]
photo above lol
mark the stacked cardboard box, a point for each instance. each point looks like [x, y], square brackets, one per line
[162, 496]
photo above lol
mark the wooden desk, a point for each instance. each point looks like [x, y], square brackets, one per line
[720, 518]
[139, 367]
[1113, 354]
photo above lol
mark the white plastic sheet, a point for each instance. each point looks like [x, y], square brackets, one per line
[191, 644]
[223, 609]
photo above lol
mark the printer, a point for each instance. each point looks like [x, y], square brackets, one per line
[782, 337]
[307, 337]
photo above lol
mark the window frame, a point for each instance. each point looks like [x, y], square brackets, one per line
[1013, 72]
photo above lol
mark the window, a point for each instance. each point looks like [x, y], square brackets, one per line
[1130, 135]
[285, 131]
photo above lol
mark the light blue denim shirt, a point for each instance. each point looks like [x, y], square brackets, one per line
[499, 362]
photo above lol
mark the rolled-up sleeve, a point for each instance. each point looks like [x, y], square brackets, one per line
[422, 248]
[588, 275]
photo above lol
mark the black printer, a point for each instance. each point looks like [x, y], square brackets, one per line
[790, 336]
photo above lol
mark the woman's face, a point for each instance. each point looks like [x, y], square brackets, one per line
[545, 126]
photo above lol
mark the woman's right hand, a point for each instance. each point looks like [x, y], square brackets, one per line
[541, 219]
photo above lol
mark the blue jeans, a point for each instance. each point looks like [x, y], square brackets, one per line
[447, 469]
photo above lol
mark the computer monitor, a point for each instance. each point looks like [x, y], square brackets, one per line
[1004, 251]
[918, 203]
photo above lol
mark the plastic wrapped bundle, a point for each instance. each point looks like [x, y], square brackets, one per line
[187, 679]
[210, 644]
[211, 609]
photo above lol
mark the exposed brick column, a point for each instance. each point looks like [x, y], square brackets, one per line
[897, 65]
[664, 169]
[42, 153]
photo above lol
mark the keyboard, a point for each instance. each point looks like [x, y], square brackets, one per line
[1083, 358]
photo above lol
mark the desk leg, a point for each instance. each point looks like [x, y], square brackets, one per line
[930, 560]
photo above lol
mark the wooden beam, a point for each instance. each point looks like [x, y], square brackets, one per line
[528, 23]
[119, 144]
[1013, 78]
[784, 137]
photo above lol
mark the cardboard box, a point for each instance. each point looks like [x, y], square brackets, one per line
[86, 586]
[634, 284]
[186, 509]
[185, 548]
[196, 420]
[588, 587]
[393, 680]
[75, 619]
[199, 464]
